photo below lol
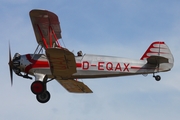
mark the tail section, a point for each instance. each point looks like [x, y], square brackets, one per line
[159, 53]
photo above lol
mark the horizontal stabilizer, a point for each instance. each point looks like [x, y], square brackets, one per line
[75, 86]
[157, 60]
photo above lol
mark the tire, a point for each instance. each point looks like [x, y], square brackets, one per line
[158, 78]
[37, 87]
[44, 97]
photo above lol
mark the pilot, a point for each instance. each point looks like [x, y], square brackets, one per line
[79, 53]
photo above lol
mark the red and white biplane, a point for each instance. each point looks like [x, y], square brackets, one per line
[59, 63]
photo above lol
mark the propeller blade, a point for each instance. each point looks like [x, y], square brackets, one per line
[10, 65]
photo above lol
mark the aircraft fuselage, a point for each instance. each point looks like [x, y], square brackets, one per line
[91, 66]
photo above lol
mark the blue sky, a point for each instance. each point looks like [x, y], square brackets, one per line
[118, 28]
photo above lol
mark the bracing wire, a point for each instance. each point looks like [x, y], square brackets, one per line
[63, 43]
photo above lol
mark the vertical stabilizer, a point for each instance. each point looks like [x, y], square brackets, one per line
[159, 53]
[158, 48]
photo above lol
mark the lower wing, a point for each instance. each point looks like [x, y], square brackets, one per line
[75, 86]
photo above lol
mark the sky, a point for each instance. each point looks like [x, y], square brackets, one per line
[103, 27]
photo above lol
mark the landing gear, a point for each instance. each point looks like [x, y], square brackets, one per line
[43, 97]
[39, 89]
[157, 77]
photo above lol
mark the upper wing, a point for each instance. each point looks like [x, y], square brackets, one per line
[62, 62]
[75, 86]
[46, 27]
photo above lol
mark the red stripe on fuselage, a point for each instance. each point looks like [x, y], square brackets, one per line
[41, 64]
[79, 65]
[148, 68]
[35, 63]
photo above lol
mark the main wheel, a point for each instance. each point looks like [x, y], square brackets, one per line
[43, 97]
[158, 78]
[37, 87]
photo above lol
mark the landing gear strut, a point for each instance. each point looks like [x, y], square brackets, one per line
[39, 89]
[157, 77]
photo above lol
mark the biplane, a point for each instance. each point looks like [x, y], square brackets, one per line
[58, 63]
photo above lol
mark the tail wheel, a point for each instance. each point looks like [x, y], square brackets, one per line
[37, 87]
[43, 97]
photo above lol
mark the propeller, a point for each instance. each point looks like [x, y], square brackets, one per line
[10, 65]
